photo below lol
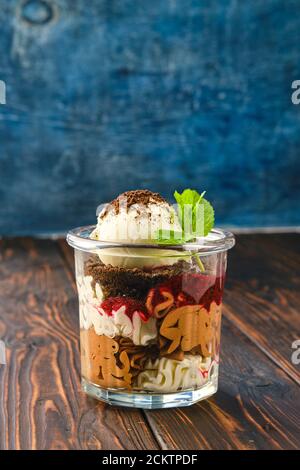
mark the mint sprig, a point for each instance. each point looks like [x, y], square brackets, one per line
[195, 213]
[196, 216]
[167, 237]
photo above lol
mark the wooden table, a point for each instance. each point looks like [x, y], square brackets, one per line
[258, 402]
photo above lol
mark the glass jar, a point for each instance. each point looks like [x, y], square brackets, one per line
[150, 318]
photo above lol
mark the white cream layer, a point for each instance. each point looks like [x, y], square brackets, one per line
[168, 375]
[118, 324]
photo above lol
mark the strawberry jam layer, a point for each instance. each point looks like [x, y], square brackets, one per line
[188, 289]
[113, 304]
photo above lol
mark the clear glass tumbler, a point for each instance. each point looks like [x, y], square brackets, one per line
[150, 319]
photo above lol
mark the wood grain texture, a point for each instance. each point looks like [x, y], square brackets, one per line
[263, 294]
[159, 94]
[257, 405]
[41, 405]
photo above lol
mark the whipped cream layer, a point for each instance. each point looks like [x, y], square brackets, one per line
[118, 323]
[89, 298]
[168, 375]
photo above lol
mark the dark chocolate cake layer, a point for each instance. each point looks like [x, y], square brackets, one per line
[134, 282]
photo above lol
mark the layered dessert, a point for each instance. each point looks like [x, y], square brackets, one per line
[150, 307]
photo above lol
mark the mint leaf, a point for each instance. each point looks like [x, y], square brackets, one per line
[197, 218]
[209, 216]
[172, 237]
[189, 196]
[196, 214]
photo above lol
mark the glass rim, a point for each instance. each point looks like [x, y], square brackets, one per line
[217, 240]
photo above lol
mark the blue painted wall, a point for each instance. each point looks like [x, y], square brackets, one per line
[109, 95]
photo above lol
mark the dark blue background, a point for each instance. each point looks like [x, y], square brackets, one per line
[109, 95]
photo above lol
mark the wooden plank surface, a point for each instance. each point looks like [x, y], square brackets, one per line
[258, 402]
[263, 294]
[257, 406]
[41, 405]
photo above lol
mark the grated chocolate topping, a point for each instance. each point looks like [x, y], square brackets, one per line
[137, 196]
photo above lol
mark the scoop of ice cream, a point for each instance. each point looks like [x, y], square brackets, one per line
[135, 217]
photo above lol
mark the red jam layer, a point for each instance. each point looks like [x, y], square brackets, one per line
[131, 306]
[186, 289]
[190, 289]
